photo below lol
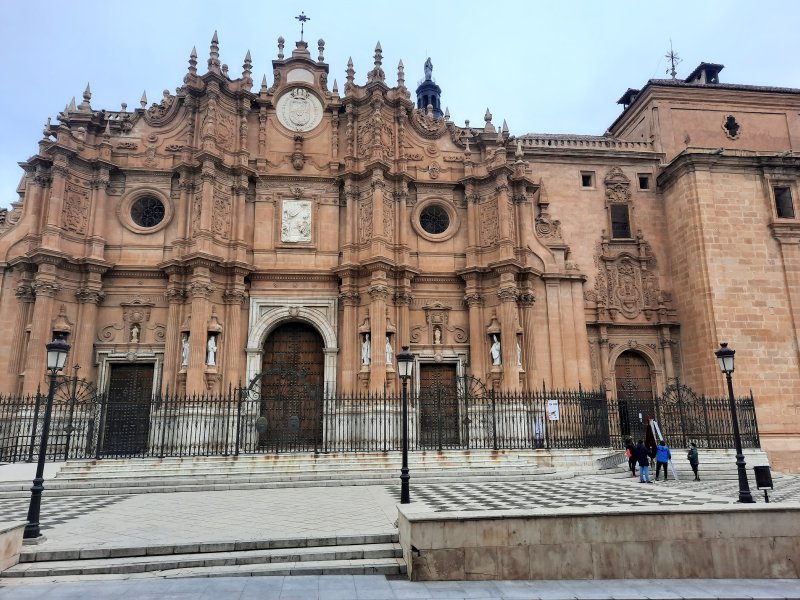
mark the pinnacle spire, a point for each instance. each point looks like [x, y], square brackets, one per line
[247, 69]
[401, 75]
[351, 73]
[87, 96]
[264, 83]
[193, 62]
[335, 89]
[72, 106]
[143, 101]
[213, 56]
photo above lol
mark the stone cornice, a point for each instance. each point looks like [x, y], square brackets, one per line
[695, 159]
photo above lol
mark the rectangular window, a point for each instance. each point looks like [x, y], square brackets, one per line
[783, 202]
[587, 179]
[620, 221]
[644, 182]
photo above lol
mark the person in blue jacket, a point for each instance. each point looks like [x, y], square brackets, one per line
[663, 456]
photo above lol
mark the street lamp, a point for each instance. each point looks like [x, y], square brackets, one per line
[405, 365]
[725, 357]
[56, 357]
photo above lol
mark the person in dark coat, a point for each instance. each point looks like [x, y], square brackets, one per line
[643, 458]
[694, 460]
[629, 449]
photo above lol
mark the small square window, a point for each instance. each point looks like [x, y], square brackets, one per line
[784, 206]
[587, 179]
[644, 182]
[620, 222]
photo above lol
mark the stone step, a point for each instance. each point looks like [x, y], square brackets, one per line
[142, 564]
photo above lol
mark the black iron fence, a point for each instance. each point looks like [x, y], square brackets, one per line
[239, 422]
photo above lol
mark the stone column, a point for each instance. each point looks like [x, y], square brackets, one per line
[348, 334]
[234, 298]
[508, 337]
[184, 207]
[666, 351]
[89, 297]
[552, 298]
[505, 217]
[526, 301]
[477, 346]
[173, 348]
[403, 300]
[604, 366]
[55, 204]
[200, 290]
[17, 351]
[99, 203]
[46, 288]
[378, 199]
[378, 293]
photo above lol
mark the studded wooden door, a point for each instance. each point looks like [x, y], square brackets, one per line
[438, 406]
[635, 393]
[292, 385]
[127, 416]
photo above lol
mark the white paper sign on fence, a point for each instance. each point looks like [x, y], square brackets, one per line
[552, 410]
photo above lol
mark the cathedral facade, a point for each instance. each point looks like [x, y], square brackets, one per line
[193, 242]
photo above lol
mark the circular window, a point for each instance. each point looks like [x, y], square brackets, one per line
[147, 211]
[434, 219]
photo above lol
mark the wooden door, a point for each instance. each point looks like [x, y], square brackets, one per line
[292, 386]
[634, 393]
[438, 406]
[127, 415]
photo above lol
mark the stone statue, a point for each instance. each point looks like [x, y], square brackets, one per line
[437, 335]
[135, 333]
[185, 350]
[389, 351]
[495, 351]
[211, 347]
[366, 349]
[428, 69]
[519, 354]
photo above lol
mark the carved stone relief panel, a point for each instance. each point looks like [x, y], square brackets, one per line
[299, 110]
[489, 225]
[221, 216]
[75, 214]
[197, 209]
[296, 221]
[365, 220]
[388, 221]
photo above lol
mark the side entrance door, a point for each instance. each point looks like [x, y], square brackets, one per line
[127, 417]
[438, 406]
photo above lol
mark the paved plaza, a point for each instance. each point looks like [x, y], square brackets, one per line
[130, 521]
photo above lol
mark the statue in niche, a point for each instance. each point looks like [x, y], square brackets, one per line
[428, 69]
[437, 335]
[519, 354]
[495, 351]
[211, 347]
[135, 333]
[366, 349]
[389, 351]
[185, 350]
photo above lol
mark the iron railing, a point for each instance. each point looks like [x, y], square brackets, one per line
[239, 422]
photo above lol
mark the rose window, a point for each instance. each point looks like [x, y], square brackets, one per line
[434, 219]
[147, 211]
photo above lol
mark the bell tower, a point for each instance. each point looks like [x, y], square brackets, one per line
[428, 93]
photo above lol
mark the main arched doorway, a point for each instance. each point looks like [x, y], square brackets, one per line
[291, 389]
[634, 384]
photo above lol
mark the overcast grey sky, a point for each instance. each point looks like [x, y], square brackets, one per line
[545, 67]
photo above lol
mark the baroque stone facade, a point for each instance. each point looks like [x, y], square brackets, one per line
[185, 233]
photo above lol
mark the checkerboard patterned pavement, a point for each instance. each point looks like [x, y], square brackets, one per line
[57, 510]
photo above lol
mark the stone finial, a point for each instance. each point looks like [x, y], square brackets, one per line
[46, 130]
[193, 62]
[107, 131]
[225, 70]
[488, 116]
[213, 56]
[378, 55]
[489, 128]
[499, 138]
[401, 75]
[264, 87]
[87, 96]
[72, 106]
[351, 73]
[377, 74]
[124, 110]
[281, 42]
[143, 101]
[335, 89]
[446, 113]
[518, 154]
[247, 70]
[321, 48]
[505, 126]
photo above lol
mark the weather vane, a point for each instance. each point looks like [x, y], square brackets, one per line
[302, 18]
[674, 59]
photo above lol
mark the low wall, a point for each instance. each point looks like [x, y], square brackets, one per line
[728, 541]
[10, 543]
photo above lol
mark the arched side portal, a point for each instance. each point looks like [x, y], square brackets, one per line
[634, 386]
[267, 314]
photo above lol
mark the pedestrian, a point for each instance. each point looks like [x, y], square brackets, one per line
[663, 456]
[640, 453]
[694, 460]
[629, 449]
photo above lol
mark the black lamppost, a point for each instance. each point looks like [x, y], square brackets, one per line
[56, 357]
[725, 357]
[405, 365]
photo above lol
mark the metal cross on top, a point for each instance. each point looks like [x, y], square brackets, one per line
[674, 59]
[302, 18]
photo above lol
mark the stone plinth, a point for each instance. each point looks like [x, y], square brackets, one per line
[731, 541]
[10, 543]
